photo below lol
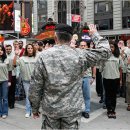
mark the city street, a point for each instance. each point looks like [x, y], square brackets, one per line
[97, 121]
[56, 41]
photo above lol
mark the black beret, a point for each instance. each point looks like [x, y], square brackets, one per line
[64, 28]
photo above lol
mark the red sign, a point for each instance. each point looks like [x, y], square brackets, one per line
[76, 18]
[25, 27]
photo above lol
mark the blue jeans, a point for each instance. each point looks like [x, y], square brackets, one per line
[4, 98]
[86, 93]
[26, 85]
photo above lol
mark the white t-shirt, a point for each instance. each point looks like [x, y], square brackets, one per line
[26, 66]
[4, 68]
[111, 68]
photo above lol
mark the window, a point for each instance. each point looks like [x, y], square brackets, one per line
[42, 12]
[126, 22]
[104, 24]
[42, 4]
[62, 12]
[126, 4]
[75, 9]
[103, 6]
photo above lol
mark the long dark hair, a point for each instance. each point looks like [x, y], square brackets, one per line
[4, 56]
[116, 52]
[26, 52]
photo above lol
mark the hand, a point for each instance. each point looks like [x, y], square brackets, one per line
[129, 60]
[92, 29]
[72, 45]
[9, 84]
[91, 81]
[16, 52]
[122, 48]
[122, 53]
[36, 115]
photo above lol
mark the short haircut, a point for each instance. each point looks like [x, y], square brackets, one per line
[83, 41]
[40, 43]
[87, 43]
[8, 45]
[15, 42]
[64, 37]
[21, 42]
[34, 42]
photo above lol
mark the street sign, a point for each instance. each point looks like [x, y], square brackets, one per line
[76, 18]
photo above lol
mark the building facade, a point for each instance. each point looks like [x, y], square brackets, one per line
[61, 10]
[112, 17]
[39, 14]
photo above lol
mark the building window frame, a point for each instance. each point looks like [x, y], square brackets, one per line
[75, 9]
[126, 22]
[125, 14]
[108, 26]
[62, 11]
[108, 7]
[126, 4]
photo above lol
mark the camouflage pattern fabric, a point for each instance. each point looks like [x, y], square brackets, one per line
[128, 88]
[57, 77]
[72, 122]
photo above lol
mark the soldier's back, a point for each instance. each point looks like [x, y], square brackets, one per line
[63, 82]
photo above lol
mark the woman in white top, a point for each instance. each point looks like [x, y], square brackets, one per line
[111, 79]
[4, 65]
[26, 63]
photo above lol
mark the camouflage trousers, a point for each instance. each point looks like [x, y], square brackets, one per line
[65, 123]
[128, 88]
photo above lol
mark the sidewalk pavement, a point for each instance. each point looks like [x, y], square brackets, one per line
[17, 121]
[97, 121]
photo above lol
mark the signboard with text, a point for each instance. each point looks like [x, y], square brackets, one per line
[76, 18]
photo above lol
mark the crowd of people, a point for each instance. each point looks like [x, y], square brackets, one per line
[112, 78]
[61, 73]
[16, 66]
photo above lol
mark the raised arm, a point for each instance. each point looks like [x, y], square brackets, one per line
[102, 51]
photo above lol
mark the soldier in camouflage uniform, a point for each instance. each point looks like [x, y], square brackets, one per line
[57, 78]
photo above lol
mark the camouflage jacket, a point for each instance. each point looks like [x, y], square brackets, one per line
[57, 77]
